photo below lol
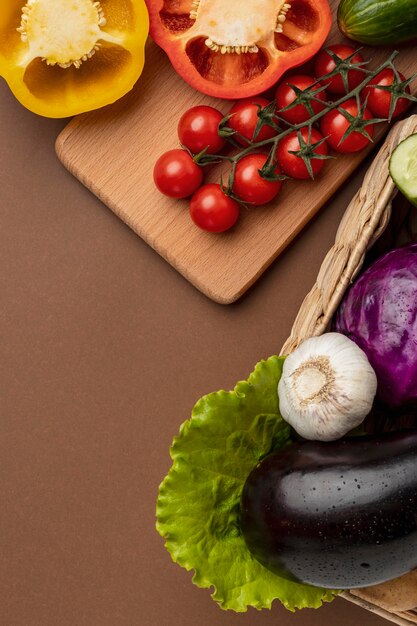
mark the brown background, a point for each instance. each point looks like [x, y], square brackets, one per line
[104, 349]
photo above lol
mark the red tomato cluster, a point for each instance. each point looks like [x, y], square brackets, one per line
[177, 175]
[298, 155]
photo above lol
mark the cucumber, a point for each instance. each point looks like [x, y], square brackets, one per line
[403, 167]
[378, 22]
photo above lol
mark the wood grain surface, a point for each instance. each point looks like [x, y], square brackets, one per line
[113, 150]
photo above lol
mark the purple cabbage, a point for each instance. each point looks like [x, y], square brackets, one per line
[379, 313]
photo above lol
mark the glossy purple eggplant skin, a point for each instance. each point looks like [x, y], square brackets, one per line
[379, 313]
[336, 515]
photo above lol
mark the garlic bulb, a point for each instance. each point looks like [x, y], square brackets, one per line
[327, 387]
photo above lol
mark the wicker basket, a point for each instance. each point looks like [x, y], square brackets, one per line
[369, 218]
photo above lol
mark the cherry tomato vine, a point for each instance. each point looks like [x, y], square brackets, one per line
[278, 140]
[268, 116]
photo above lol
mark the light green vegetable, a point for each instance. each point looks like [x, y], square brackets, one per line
[403, 167]
[378, 22]
[198, 503]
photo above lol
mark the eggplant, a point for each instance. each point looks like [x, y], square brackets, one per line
[335, 515]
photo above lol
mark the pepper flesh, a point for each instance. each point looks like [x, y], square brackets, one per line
[63, 57]
[238, 30]
[234, 49]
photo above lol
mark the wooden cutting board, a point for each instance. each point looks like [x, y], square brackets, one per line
[113, 150]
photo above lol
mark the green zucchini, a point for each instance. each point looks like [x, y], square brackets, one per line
[378, 22]
[403, 168]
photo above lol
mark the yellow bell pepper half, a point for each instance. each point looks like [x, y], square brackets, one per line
[64, 57]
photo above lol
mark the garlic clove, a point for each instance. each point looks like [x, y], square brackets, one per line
[327, 387]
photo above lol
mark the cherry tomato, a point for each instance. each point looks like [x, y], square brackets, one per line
[285, 95]
[245, 118]
[334, 125]
[198, 128]
[249, 186]
[294, 165]
[176, 174]
[212, 210]
[324, 64]
[379, 100]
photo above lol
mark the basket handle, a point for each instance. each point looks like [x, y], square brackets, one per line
[364, 221]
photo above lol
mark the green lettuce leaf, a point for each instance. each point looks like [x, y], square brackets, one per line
[198, 503]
